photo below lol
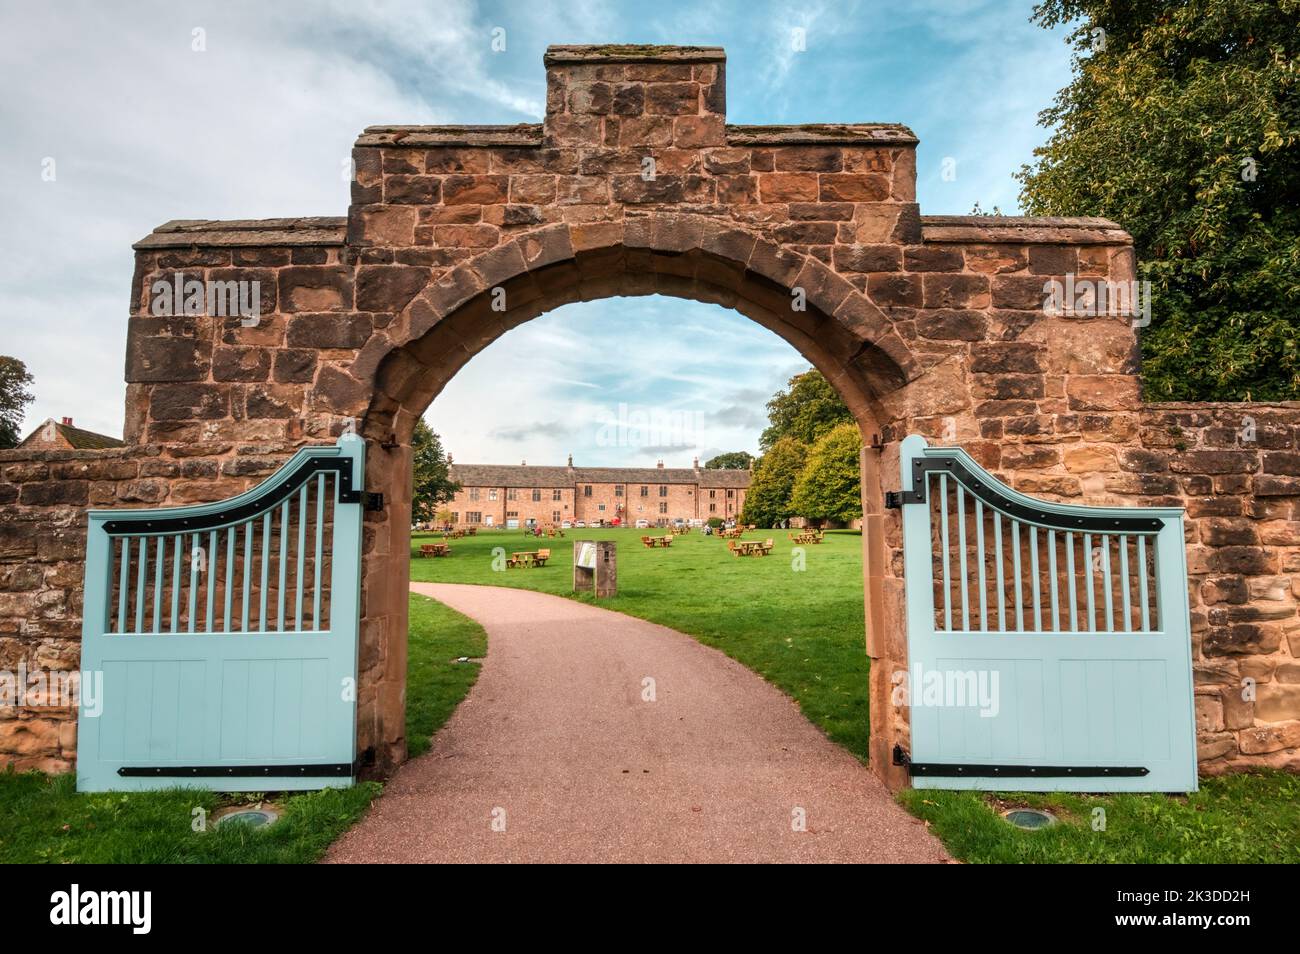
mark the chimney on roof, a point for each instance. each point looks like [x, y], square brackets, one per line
[660, 465]
[523, 463]
[570, 460]
[696, 463]
[67, 421]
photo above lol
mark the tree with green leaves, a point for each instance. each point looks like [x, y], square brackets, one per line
[1181, 123]
[805, 410]
[768, 499]
[15, 381]
[732, 460]
[829, 486]
[431, 483]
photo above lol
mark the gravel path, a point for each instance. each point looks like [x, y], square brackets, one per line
[556, 741]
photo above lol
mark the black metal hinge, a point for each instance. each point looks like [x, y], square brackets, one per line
[969, 770]
[893, 500]
[372, 501]
[325, 770]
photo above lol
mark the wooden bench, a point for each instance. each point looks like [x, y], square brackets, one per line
[540, 557]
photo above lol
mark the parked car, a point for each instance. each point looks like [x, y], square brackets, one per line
[582, 524]
[566, 525]
[642, 524]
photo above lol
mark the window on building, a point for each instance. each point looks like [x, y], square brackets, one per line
[645, 491]
[663, 491]
[618, 490]
[712, 494]
[556, 495]
[663, 507]
[555, 516]
[586, 491]
[512, 513]
[455, 517]
[713, 508]
[537, 495]
[473, 516]
[730, 494]
[600, 507]
[512, 494]
[492, 494]
[473, 493]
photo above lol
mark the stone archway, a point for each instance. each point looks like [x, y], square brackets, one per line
[829, 322]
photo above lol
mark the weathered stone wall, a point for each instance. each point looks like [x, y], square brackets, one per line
[635, 184]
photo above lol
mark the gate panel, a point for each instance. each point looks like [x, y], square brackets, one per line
[227, 635]
[1049, 644]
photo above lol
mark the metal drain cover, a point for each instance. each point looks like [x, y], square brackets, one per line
[248, 818]
[1030, 819]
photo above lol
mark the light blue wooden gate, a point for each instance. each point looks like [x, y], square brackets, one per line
[1048, 643]
[226, 634]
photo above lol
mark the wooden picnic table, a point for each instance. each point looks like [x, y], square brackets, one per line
[750, 547]
[652, 542]
[435, 549]
[531, 558]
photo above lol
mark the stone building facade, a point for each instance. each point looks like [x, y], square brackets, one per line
[634, 183]
[516, 496]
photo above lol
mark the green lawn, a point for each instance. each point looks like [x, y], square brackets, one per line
[803, 631]
[44, 819]
[800, 628]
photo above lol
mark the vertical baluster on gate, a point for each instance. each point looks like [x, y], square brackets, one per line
[943, 536]
[266, 556]
[123, 584]
[302, 553]
[194, 581]
[1088, 558]
[1123, 580]
[1142, 583]
[1051, 575]
[158, 584]
[212, 580]
[962, 579]
[230, 578]
[979, 555]
[1033, 568]
[247, 579]
[1015, 575]
[1106, 582]
[1002, 590]
[284, 564]
[1069, 573]
[143, 550]
[178, 544]
[316, 567]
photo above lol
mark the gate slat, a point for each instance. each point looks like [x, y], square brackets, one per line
[284, 565]
[1002, 592]
[247, 575]
[194, 582]
[302, 552]
[123, 584]
[1087, 553]
[1033, 568]
[1106, 582]
[316, 567]
[143, 571]
[1069, 572]
[1142, 583]
[230, 578]
[962, 578]
[1051, 575]
[178, 544]
[1123, 580]
[943, 532]
[212, 580]
[979, 555]
[1015, 574]
[158, 585]
[266, 556]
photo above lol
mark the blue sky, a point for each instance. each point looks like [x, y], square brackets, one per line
[143, 128]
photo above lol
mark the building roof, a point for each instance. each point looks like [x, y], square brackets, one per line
[517, 475]
[77, 438]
